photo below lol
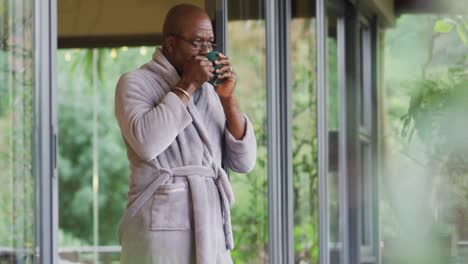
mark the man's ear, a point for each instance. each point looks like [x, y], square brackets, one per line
[169, 43]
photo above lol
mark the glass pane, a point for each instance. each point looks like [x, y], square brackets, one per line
[333, 133]
[17, 225]
[304, 148]
[424, 191]
[91, 149]
[246, 48]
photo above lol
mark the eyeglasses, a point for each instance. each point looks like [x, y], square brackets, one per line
[197, 43]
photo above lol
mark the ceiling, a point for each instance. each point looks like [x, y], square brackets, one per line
[113, 23]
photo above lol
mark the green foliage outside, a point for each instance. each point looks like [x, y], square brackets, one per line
[425, 189]
[75, 119]
[250, 212]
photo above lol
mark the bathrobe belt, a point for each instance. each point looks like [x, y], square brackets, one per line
[203, 221]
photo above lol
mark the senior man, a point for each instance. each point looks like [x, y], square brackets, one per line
[178, 130]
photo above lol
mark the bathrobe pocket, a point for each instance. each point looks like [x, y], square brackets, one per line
[170, 209]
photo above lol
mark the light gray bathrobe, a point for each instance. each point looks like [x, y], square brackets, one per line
[179, 197]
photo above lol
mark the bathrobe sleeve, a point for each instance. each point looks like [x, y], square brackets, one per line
[149, 124]
[240, 155]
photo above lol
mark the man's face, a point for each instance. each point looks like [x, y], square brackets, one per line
[196, 31]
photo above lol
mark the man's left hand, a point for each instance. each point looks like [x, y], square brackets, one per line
[226, 89]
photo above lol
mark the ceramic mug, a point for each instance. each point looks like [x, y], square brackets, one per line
[213, 56]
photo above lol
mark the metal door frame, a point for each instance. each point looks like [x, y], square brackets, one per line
[45, 131]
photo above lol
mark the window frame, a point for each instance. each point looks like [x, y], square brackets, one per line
[279, 119]
[358, 139]
[45, 131]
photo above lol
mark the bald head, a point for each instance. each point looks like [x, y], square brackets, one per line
[181, 17]
[184, 26]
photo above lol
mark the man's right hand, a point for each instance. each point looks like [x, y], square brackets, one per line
[196, 71]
